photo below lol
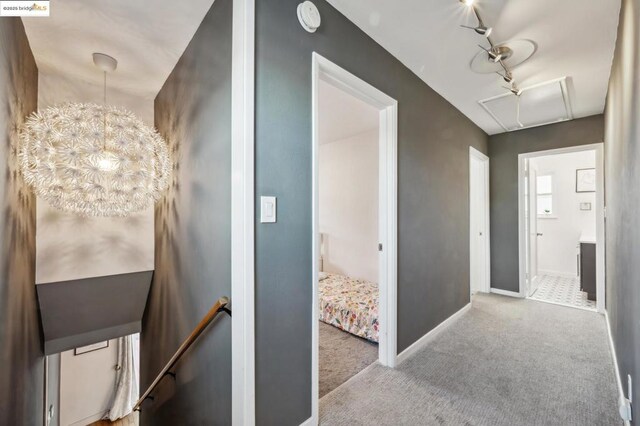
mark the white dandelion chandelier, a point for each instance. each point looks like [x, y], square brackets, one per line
[94, 160]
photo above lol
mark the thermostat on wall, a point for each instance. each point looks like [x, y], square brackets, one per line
[309, 16]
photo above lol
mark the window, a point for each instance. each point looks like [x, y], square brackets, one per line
[544, 186]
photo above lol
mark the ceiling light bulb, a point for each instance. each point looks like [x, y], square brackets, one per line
[495, 54]
[481, 29]
[107, 162]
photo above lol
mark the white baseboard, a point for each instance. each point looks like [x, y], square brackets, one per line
[621, 395]
[308, 422]
[91, 419]
[420, 343]
[556, 274]
[505, 292]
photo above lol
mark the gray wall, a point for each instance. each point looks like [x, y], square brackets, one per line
[433, 211]
[82, 312]
[503, 151]
[193, 234]
[21, 357]
[622, 164]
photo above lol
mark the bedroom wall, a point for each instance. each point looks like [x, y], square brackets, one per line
[503, 151]
[561, 233]
[193, 234]
[433, 209]
[21, 356]
[622, 157]
[348, 204]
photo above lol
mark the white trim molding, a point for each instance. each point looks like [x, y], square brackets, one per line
[505, 292]
[600, 205]
[424, 340]
[621, 396]
[242, 215]
[325, 70]
[562, 81]
[556, 273]
[308, 422]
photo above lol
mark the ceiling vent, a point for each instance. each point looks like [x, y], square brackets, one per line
[537, 105]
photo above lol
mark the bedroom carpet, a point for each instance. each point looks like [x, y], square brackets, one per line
[505, 362]
[342, 356]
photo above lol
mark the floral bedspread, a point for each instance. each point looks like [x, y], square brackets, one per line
[350, 304]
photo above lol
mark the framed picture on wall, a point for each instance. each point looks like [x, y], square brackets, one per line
[586, 180]
[91, 348]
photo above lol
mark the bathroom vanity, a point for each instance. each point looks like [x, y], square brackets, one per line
[587, 265]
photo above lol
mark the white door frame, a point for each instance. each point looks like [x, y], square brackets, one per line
[474, 153]
[242, 215]
[600, 216]
[323, 69]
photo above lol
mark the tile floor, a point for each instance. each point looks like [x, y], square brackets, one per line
[562, 290]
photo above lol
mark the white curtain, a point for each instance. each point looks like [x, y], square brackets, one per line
[126, 393]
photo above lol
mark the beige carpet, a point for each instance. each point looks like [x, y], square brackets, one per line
[342, 356]
[505, 362]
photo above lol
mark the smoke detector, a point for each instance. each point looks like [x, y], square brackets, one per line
[309, 16]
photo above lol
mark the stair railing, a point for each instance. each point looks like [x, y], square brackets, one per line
[217, 308]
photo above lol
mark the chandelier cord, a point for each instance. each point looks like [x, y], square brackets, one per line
[104, 115]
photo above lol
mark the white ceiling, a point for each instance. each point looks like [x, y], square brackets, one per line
[147, 38]
[343, 115]
[574, 38]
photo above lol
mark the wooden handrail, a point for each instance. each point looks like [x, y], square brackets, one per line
[219, 306]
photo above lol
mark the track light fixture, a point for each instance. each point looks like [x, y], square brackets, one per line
[496, 54]
[514, 89]
[480, 29]
[508, 77]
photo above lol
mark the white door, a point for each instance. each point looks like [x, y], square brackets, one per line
[478, 222]
[533, 229]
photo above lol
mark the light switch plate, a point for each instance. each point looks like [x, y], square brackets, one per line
[267, 209]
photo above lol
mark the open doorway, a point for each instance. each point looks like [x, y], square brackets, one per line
[96, 384]
[562, 227]
[348, 221]
[354, 227]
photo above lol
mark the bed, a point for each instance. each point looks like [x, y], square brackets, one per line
[350, 305]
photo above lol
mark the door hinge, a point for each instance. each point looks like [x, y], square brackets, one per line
[379, 246]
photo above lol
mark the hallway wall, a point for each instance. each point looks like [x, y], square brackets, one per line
[622, 165]
[70, 246]
[193, 234]
[433, 206]
[21, 356]
[503, 151]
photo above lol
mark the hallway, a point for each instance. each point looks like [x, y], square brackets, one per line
[506, 362]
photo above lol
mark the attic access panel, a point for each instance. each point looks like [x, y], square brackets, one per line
[541, 104]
